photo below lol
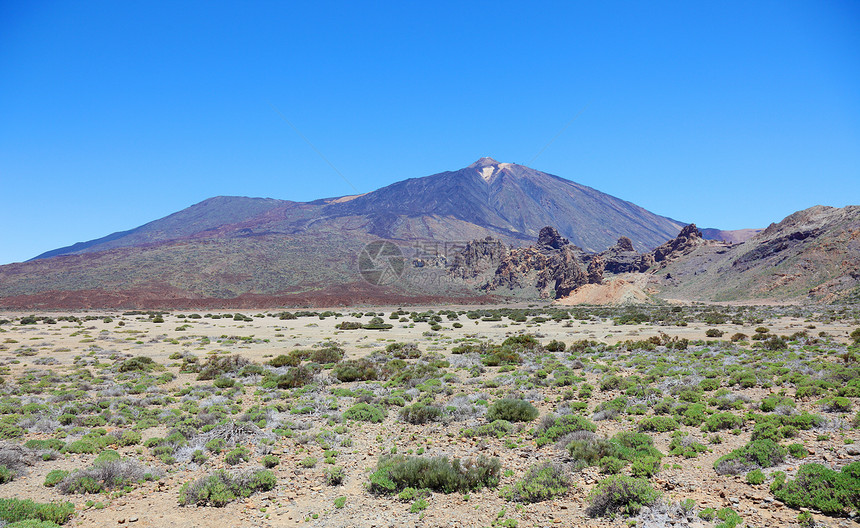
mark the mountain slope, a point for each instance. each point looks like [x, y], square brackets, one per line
[487, 198]
[812, 254]
[230, 247]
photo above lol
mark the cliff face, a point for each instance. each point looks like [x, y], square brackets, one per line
[553, 267]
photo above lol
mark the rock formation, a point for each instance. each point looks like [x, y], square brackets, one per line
[553, 266]
[479, 256]
[595, 270]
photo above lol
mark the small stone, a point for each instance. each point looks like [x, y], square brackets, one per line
[133, 519]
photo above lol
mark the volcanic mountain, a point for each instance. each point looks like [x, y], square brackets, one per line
[812, 254]
[229, 247]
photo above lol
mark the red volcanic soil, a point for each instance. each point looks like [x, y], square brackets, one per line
[151, 298]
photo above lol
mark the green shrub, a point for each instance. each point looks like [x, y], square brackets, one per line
[685, 446]
[512, 410]
[6, 475]
[729, 518]
[14, 510]
[222, 487]
[797, 450]
[237, 456]
[365, 412]
[755, 477]
[821, 488]
[620, 494]
[308, 462]
[552, 428]
[646, 466]
[129, 438]
[395, 473]
[541, 482]
[556, 346]
[421, 413]
[756, 454]
[54, 477]
[334, 475]
[611, 465]
[660, 424]
[498, 428]
[270, 461]
[355, 370]
[721, 421]
[81, 447]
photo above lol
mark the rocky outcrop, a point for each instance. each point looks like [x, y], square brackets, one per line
[549, 238]
[595, 270]
[622, 258]
[553, 266]
[478, 257]
[687, 240]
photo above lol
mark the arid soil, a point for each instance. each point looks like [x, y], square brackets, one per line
[58, 352]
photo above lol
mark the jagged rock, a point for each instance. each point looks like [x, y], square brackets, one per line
[686, 241]
[568, 275]
[622, 258]
[595, 270]
[479, 256]
[549, 237]
[553, 266]
[624, 244]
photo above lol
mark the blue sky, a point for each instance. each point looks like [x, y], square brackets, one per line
[727, 114]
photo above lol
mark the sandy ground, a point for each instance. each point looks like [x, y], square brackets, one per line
[301, 493]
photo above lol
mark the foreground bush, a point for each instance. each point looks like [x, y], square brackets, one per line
[620, 494]
[105, 474]
[512, 410]
[364, 412]
[542, 482]
[15, 510]
[222, 487]
[553, 428]
[763, 453]
[821, 488]
[396, 473]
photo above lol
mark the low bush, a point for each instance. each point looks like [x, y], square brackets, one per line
[334, 476]
[541, 482]
[237, 456]
[106, 473]
[395, 473]
[364, 412]
[723, 420]
[756, 454]
[15, 510]
[55, 477]
[660, 424]
[821, 488]
[685, 446]
[620, 494]
[222, 487]
[421, 413]
[498, 428]
[355, 370]
[755, 477]
[512, 410]
[553, 428]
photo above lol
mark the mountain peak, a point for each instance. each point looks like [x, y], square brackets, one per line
[483, 162]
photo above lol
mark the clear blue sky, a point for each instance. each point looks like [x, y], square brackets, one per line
[727, 114]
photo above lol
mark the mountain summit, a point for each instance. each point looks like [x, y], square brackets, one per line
[226, 247]
[487, 198]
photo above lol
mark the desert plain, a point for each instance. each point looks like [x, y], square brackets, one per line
[319, 407]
